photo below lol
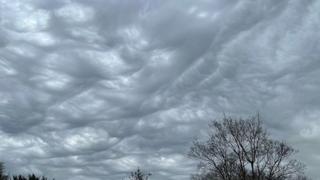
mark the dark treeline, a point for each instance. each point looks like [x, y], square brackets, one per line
[31, 176]
[135, 175]
[235, 149]
[23, 177]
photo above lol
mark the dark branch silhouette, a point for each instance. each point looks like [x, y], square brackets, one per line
[139, 175]
[240, 149]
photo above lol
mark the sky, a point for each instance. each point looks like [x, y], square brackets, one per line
[93, 89]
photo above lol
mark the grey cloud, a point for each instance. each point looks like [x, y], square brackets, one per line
[93, 89]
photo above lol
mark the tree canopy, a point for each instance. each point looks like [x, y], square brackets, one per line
[242, 149]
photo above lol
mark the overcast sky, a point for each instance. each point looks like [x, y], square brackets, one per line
[92, 89]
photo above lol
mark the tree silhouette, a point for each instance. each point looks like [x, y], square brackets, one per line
[2, 175]
[139, 175]
[29, 177]
[242, 150]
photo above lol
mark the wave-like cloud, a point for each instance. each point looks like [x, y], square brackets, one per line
[93, 89]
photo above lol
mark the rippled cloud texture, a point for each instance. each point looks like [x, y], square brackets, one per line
[91, 90]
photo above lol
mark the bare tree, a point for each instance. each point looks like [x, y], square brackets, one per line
[241, 149]
[139, 175]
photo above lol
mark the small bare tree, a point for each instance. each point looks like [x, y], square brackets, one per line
[241, 149]
[139, 175]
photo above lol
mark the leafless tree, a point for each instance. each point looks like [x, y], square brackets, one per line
[139, 175]
[242, 149]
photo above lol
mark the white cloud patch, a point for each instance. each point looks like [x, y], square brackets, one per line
[75, 13]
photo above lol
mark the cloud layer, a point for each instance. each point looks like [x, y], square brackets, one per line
[92, 89]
